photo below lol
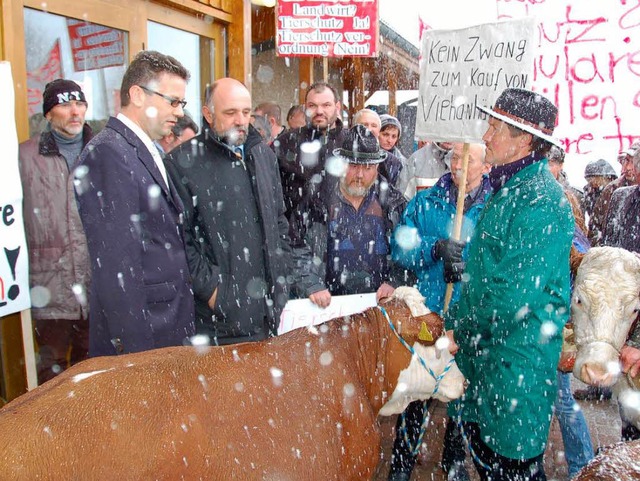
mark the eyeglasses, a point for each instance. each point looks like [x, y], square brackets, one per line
[174, 102]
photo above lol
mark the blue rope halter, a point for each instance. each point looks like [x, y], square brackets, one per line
[415, 449]
[475, 457]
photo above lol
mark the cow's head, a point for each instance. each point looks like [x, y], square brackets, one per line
[424, 332]
[604, 304]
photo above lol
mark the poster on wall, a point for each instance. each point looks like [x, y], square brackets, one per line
[95, 46]
[469, 67]
[50, 69]
[14, 266]
[326, 28]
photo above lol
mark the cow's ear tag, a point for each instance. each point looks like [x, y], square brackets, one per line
[425, 334]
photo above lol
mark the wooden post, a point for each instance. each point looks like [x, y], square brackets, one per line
[305, 77]
[29, 351]
[457, 225]
[393, 86]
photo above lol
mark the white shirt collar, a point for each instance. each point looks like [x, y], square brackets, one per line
[146, 140]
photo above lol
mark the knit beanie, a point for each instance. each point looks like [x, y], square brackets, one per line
[599, 168]
[386, 120]
[60, 91]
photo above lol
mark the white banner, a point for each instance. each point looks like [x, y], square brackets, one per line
[14, 267]
[587, 62]
[463, 68]
[302, 312]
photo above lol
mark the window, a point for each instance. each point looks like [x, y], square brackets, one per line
[92, 55]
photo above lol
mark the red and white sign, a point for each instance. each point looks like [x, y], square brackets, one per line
[587, 62]
[50, 70]
[312, 28]
[95, 46]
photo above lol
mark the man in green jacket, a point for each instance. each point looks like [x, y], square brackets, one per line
[515, 297]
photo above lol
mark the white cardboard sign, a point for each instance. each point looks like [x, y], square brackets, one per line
[303, 313]
[14, 263]
[463, 68]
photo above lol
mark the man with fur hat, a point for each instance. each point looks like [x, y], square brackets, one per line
[349, 224]
[598, 175]
[515, 295]
[58, 258]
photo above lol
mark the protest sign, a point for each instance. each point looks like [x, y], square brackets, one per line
[587, 62]
[302, 312]
[461, 69]
[95, 46]
[14, 268]
[325, 28]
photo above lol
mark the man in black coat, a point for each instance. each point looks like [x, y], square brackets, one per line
[237, 234]
[302, 152]
[140, 290]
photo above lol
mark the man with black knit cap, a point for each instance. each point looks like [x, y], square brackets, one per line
[58, 258]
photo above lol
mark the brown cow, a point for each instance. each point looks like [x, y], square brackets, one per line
[618, 462]
[301, 406]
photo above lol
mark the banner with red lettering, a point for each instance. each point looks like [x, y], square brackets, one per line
[95, 46]
[14, 262]
[326, 28]
[51, 69]
[588, 63]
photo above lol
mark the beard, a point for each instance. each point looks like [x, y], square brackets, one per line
[232, 137]
[354, 189]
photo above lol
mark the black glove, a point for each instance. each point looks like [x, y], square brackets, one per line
[453, 271]
[448, 250]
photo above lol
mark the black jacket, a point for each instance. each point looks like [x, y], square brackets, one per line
[195, 169]
[299, 171]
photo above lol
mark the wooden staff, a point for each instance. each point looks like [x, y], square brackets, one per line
[457, 225]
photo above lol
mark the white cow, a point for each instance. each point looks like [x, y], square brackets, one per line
[605, 302]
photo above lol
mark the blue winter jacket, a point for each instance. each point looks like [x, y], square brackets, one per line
[429, 216]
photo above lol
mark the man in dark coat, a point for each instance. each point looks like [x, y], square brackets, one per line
[302, 152]
[237, 234]
[601, 208]
[58, 255]
[141, 294]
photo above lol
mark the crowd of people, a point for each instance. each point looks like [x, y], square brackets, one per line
[155, 232]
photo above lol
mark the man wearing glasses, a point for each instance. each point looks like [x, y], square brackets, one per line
[140, 291]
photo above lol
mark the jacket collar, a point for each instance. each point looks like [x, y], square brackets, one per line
[501, 174]
[47, 144]
[143, 153]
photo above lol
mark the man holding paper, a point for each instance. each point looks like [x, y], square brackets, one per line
[348, 224]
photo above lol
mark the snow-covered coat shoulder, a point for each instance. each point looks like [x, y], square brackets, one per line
[512, 309]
